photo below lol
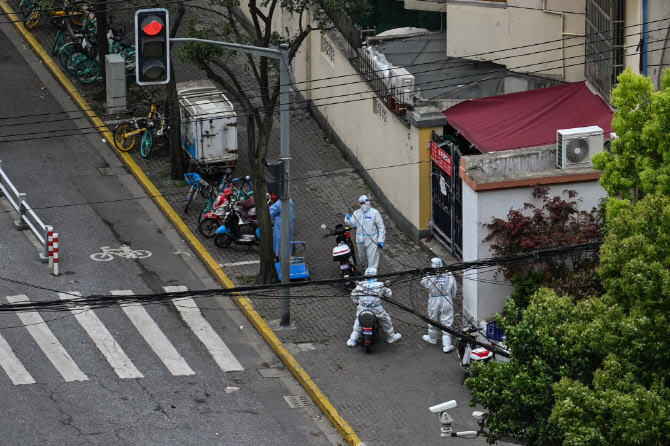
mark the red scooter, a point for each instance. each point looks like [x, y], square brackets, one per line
[214, 218]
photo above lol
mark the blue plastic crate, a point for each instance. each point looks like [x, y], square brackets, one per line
[494, 332]
[192, 178]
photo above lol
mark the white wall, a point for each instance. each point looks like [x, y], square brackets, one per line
[483, 296]
[375, 135]
[498, 28]
[633, 33]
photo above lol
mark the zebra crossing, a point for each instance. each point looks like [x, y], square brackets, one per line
[110, 349]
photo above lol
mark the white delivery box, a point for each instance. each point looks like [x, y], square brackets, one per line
[208, 125]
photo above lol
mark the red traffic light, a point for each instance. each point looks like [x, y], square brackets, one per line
[152, 28]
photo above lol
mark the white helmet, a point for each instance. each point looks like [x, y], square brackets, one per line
[436, 262]
[371, 272]
[363, 199]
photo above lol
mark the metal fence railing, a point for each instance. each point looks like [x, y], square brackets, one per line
[380, 80]
[27, 217]
[347, 27]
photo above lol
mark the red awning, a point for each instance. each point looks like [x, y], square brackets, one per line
[529, 118]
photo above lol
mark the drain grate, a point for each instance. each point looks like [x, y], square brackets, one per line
[296, 401]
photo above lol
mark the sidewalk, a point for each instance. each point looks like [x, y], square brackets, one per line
[384, 396]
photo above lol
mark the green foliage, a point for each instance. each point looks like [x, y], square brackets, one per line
[557, 337]
[635, 259]
[624, 414]
[200, 53]
[640, 157]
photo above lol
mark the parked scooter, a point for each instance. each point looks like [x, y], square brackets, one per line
[343, 252]
[212, 220]
[230, 231]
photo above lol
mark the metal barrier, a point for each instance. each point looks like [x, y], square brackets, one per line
[27, 217]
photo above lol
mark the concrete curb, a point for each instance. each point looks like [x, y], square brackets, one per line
[243, 303]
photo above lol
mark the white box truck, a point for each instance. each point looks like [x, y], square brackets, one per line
[208, 126]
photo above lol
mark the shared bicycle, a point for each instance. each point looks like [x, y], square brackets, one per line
[59, 10]
[125, 133]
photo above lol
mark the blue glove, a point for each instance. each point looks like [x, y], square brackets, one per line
[381, 245]
[347, 217]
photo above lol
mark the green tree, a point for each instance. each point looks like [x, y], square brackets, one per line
[640, 158]
[260, 104]
[556, 337]
[628, 401]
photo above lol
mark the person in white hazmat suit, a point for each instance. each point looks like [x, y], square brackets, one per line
[367, 296]
[441, 292]
[370, 232]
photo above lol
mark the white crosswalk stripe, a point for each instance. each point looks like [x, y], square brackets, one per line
[13, 367]
[203, 330]
[158, 342]
[46, 340]
[103, 339]
[122, 365]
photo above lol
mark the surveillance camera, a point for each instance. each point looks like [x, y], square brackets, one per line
[442, 407]
[480, 415]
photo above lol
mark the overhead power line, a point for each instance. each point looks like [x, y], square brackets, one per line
[409, 65]
[277, 108]
[77, 302]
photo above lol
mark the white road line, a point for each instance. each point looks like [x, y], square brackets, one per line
[246, 262]
[156, 339]
[103, 339]
[196, 321]
[13, 367]
[49, 344]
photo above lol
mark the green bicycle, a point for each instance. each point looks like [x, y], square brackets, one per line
[118, 46]
[65, 50]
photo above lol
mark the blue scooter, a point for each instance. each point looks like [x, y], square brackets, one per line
[229, 232]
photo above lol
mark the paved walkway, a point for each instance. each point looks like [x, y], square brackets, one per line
[384, 396]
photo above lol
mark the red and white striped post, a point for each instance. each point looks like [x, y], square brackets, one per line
[55, 253]
[50, 246]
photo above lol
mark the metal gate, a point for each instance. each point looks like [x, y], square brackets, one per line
[446, 191]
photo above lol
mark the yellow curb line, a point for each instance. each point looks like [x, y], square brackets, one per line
[242, 302]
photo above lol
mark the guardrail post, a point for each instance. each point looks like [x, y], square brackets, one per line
[55, 256]
[47, 255]
[20, 224]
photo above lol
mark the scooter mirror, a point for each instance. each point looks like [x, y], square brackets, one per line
[323, 226]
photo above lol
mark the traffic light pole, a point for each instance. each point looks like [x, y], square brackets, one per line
[285, 155]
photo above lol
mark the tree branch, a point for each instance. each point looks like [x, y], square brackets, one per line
[250, 57]
[255, 14]
[191, 5]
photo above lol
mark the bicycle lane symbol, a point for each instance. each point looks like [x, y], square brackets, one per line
[124, 251]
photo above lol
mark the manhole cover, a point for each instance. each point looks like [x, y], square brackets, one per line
[295, 401]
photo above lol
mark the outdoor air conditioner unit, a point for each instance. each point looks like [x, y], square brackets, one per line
[402, 85]
[575, 147]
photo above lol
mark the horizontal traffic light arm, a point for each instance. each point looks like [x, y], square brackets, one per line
[256, 50]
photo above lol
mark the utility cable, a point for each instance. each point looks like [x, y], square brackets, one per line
[418, 64]
[278, 106]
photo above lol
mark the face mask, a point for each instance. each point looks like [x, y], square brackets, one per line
[365, 206]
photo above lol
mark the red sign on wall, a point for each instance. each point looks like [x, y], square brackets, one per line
[441, 158]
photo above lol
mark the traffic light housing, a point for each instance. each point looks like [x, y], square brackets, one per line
[152, 46]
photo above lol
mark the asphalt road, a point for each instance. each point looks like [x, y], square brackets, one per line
[171, 374]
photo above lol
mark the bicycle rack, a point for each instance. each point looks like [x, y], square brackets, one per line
[27, 217]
